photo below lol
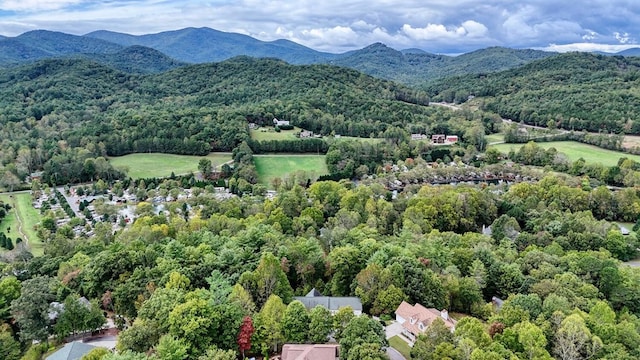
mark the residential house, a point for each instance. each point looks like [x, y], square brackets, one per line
[310, 352]
[451, 139]
[277, 122]
[72, 351]
[56, 308]
[624, 230]
[418, 136]
[497, 302]
[415, 319]
[333, 303]
[438, 138]
[306, 134]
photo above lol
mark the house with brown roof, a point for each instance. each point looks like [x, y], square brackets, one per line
[310, 352]
[438, 138]
[415, 319]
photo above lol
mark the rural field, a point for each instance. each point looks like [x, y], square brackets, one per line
[575, 150]
[495, 138]
[272, 166]
[267, 133]
[161, 165]
[23, 214]
[344, 138]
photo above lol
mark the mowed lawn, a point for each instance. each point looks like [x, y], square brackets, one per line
[575, 150]
[272, 166]
[161, 165]
[493, 138]
[28, 216]
[402, 346]
[268, 133]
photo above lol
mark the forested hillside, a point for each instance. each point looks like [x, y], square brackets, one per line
[204, 45]
[575, 91]
[136, 60]
[417, 67]
[42, 44]
[52, 106]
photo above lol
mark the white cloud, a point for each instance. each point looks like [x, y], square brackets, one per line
[623, 38]
[589, 47]
[35, 5]
[338, 25]
[468, 28]
[590, 35]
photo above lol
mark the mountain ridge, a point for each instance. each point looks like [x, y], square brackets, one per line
[198, 45]
[412, 67]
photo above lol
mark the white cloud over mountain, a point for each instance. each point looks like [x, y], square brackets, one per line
[443, 26]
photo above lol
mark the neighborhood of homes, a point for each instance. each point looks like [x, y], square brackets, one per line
[437, 139]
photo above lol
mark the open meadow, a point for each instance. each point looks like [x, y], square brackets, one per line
[268, 133]
[272, 166]
[575, 150]
[22, 220]
[495, 138]
[161, 165]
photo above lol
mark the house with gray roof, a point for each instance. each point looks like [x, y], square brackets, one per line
[72, 351]
[332, 303]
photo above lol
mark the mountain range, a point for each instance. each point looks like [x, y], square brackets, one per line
[162, 51]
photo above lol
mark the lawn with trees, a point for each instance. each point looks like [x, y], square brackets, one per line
[270, 167]
[574, 150]
[143, 166]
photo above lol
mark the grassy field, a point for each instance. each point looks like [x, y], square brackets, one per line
[397, 343]
[267, 133]
[29, 217]
[161, 165]
[575, 150]
[369, 140]
[493, 138]
[272, 166]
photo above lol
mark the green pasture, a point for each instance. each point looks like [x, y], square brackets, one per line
[22, 213]
[353, 138]
[494, 138]
[575, 150]
[161, 165]
[268, 133]
[272, 166]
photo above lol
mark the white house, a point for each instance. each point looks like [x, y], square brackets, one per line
[277, 122]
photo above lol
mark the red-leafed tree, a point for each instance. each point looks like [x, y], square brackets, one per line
[244, 336]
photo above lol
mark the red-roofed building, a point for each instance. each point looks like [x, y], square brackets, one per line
[415, 319]
[451, 139]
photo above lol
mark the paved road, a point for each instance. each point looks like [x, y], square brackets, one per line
[633, 263]
[15, 192]
[394, 354]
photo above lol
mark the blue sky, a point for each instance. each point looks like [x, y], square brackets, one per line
[439, 26]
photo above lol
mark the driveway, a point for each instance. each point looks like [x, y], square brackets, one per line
[394, 354]
[108, 342]
[394, 329]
